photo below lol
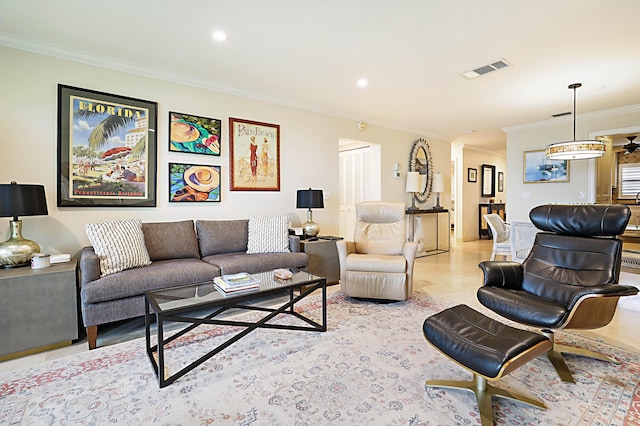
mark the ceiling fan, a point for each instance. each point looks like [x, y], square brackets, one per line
[631, 147]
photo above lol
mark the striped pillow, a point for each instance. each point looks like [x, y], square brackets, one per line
[119, 244]
[268, 234]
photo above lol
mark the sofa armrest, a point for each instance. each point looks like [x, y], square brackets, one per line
[89, 265]
[294, 243]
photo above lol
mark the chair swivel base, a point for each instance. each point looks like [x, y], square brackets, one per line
[484, 391]
[556, 358]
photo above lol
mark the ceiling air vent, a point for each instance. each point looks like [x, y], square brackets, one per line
[485, 69]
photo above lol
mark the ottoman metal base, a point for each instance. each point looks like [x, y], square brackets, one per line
[487, 348]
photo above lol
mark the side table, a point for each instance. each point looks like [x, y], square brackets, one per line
[39, 309]
[323, 258]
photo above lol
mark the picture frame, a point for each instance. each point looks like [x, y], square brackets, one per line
[254, 155]
[107, 149]
[193, 134]
[194, 183]
[472, 175]
[488, 180]
[500, 182]
[537, 168]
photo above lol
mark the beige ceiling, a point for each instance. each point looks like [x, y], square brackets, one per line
[310, 54]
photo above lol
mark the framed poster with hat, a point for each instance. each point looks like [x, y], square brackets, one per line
[193, 134]
[194, 183]
[106, 149]
[254, 155]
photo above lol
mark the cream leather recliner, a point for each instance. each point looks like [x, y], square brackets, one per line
[378, 263]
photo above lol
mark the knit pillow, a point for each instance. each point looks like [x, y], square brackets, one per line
[119, 244]
[268, 234]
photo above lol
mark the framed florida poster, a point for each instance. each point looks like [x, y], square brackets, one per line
[106, 149]
[254, 155]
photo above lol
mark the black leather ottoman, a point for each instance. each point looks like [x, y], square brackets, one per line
[488, 348]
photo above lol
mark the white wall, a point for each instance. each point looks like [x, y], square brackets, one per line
[536, 136]
[309, 148]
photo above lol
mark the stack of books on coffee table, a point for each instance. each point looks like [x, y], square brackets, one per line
[236, 283]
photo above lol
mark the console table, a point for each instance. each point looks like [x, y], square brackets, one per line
[417, 233]
[39, 309]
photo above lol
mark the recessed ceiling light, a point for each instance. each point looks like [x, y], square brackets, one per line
[363, 82]
[219, 35]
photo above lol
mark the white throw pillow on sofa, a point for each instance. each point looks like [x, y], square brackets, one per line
[119, 244]
[268, 234]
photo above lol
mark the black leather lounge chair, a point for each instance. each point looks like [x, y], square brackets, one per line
[569, 280]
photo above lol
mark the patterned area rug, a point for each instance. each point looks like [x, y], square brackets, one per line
[369, 368]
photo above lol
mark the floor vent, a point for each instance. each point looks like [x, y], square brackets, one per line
[485, 69]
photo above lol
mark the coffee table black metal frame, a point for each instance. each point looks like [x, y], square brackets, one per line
[185, 304]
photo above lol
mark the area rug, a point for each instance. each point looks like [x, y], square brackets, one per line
[369, 368]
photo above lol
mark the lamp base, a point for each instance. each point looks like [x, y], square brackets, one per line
[437, 206]
[16, 251]
[310, 229]
[413, 207]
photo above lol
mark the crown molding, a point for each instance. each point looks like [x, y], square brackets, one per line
[46, 49]
[581, 117]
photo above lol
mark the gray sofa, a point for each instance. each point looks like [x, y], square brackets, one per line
[180, 254]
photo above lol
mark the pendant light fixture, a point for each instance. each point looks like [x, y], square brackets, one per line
[575, 150]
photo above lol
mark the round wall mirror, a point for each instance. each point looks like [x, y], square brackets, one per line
[420, 161]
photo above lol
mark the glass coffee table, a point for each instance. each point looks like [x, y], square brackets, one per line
[198, 304]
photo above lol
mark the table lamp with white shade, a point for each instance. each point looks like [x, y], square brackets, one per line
[437, 186]
[414, 185]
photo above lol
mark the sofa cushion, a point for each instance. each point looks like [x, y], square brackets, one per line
[268, 234]
[119, 244]
[160, 274]
[221, 236]
[171, 240]
[232, 263]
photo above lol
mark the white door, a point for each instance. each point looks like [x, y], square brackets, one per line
[358, 177]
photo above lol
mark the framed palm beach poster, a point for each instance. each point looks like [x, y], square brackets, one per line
[106, 149]
[254, 155]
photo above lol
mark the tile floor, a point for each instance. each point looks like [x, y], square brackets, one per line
[454, 276]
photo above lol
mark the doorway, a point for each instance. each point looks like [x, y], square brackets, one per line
[360, 179]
